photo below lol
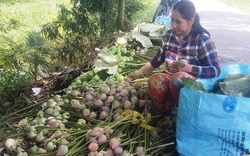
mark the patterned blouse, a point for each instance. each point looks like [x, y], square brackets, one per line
[198, 49]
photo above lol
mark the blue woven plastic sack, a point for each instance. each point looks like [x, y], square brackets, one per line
[211, 124]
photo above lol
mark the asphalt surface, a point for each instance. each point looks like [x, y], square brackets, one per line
[229, 28]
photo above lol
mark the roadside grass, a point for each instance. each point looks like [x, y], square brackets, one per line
[19, 17]
[243, 5]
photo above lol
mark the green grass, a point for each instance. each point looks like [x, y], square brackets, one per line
[17, 18]
[243, 5]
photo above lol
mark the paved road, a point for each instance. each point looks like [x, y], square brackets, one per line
[229, 28]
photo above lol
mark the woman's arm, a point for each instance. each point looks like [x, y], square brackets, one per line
[209, 61]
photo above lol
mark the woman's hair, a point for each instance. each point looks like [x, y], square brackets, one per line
[187, 10]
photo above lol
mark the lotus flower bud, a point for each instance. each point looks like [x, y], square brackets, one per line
[112, 91]
[56, 134]
[109, 152]
[41, 150]
[119, 89]
[102, 138]
[86, 112]
[124, 92]
[105, 90]
[133, 92]
[109, 82]
[62, 150]
[81, 122]
[57, 98]
[99, 103]
[103, 115]
[134, 100]
[109, 99]
[75, 104]
[139, 150]
[115, 104]
[10, 144]
[33, 150]
[127, 104]
[74, 93]
[93, 115]
[105, 108]
[89, 97]
[93, 146]
[50, 147]
[114, 142]
[51, 103]
[118, 150]
[40, 137]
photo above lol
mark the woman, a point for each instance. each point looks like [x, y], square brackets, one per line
[187, 41]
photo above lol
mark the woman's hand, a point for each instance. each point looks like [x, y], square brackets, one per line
[181, 66]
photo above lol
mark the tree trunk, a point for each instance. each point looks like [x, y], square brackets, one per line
[121, 15]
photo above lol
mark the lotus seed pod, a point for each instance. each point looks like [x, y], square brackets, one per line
[118, 150]
[75, 103]
[86, 112]
[102, 97]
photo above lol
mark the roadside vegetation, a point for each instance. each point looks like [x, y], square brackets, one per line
[39, 37]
